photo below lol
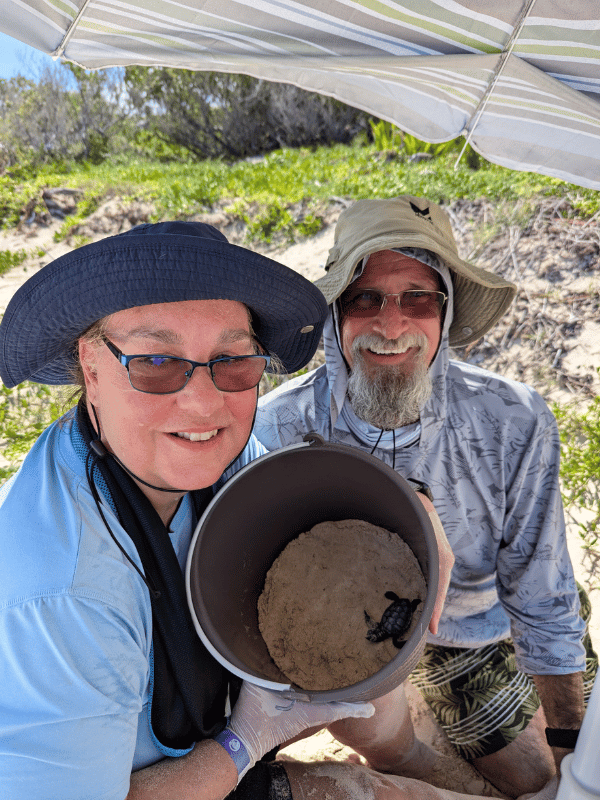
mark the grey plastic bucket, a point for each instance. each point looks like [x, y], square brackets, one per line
[251, 520]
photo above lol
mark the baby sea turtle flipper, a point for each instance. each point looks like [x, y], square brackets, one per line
[395, 621]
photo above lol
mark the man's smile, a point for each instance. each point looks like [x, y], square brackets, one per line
[386, 350]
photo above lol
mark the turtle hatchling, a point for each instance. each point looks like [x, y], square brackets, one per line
[395, 621]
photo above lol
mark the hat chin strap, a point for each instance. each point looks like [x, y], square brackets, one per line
[100, 450]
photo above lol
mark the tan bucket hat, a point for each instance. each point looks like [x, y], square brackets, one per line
[480, 297]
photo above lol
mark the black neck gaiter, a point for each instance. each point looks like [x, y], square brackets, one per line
[190, 686]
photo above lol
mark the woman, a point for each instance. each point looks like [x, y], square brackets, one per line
[102, 673]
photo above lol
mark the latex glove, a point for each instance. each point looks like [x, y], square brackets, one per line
[446, 562]
[547, 793]
[263, 719]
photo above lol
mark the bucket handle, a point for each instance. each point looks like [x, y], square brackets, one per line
[312, 437]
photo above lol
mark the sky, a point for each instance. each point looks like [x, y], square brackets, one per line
[17, 58]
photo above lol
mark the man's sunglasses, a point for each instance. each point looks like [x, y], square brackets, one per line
[415, 303]
[158, 374]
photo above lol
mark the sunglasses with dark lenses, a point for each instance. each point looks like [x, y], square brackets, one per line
[415, 303]
[158, 374]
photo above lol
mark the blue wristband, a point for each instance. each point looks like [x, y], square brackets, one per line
[236, 749]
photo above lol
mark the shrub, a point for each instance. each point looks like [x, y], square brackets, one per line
[580, 465]
[25, 412]
[10, 259]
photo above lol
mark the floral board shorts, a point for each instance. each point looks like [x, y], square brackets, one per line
[479, 697]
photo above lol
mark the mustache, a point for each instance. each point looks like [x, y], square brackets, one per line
[373, 341]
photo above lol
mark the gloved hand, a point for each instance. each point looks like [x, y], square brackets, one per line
[263, 719]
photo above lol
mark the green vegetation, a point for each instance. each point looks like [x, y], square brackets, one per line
[271, 187]
[580, 466]
[25, 412]
[11, 258]
[389, 139]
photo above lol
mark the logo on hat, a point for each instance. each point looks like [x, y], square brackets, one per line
[424, 214]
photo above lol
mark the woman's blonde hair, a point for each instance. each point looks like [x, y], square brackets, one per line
[95, 333]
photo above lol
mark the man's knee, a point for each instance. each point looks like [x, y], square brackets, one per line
[340, 781]
[524, 765]
[392, 715]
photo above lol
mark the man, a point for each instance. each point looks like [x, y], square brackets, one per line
[488, 448]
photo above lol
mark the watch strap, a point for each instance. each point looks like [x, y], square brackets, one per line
[562, 737]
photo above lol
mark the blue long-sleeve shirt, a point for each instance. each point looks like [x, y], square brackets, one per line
[489, 449]
[75, 632]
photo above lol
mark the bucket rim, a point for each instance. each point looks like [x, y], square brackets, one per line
[361, 689]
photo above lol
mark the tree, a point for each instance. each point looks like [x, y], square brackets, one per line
[101, 109]
[72, 113]
[68, 113]
[36, 119]
[215, 114]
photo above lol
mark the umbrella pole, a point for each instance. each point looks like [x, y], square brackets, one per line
[502, 61]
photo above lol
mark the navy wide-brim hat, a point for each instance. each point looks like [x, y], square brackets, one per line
[166, 262]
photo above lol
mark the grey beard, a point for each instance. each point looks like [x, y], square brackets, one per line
[388, 398]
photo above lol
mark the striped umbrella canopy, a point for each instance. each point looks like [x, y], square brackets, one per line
[520, 79]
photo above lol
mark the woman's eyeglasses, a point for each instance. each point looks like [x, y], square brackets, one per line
[415, 303]
[158, 374]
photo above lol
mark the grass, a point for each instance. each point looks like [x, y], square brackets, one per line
[267, 191]
[11, 258]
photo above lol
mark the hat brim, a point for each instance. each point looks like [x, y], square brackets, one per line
[53, 308]
[480, 297]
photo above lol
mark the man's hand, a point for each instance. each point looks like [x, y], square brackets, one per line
[446, 562]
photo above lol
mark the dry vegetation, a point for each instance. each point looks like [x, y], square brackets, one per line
[554, 258]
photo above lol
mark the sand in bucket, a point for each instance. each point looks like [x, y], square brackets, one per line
[311, 612]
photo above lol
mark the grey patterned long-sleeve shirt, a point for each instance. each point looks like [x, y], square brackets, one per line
[489, 449]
